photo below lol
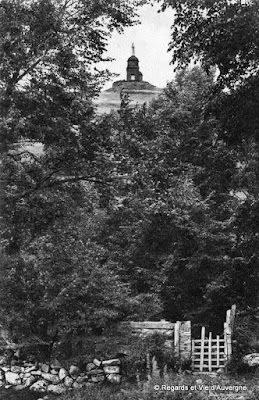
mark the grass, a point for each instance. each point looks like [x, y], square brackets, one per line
[175, 387]
[26, 394]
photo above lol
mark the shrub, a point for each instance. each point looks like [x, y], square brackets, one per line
[144, 350]
[246, 341]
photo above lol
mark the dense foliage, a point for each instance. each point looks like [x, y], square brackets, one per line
[53, 271]
[219, 32]
[223, 35]
[174, 222]
[147, 213]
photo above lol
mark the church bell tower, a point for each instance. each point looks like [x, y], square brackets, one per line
[133, 72]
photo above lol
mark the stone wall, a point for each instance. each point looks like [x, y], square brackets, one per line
[53, 378]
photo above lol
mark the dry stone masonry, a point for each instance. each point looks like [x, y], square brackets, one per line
[53, 378]
[251, 359]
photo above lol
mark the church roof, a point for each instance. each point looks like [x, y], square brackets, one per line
[133, 58]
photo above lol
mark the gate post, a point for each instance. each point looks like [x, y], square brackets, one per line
[177, 338]
[185, 340]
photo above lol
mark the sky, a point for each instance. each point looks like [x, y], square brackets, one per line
[151, 39]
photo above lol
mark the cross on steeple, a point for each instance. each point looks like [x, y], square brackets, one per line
[133, 49]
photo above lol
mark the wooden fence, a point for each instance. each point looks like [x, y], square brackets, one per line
[210, 354]
[178, 334]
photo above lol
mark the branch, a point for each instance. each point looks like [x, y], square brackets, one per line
[79, 178]
[16, 77]
[30, 68]
[24, 152]
[42, 185]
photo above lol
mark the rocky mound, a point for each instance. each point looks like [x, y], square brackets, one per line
[129, 86]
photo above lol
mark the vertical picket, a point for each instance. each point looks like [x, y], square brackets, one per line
[228, 331]
[229, 345]
[225, 340]
[202, 348]
[232, 317]
[228, 318]
[209, 352]
[218, 352]
[177, 338]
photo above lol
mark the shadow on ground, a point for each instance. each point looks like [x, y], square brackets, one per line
[26, 394]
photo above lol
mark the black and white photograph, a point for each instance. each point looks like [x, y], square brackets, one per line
[129, 199]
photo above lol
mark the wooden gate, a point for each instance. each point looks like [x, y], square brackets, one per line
[210, 354]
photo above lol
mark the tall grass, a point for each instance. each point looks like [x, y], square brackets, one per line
[147, 390]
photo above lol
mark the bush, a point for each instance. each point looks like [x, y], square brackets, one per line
[245, 341]
[143, 351]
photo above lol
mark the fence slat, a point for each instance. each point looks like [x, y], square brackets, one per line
[202, 348]
[232, 316]
[228, 320]
[218, 350]
[225, 340]
[165, 325]
[209, 350]
[229, 347]
[177, 338]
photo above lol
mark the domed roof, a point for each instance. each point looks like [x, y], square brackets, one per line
[133, 58]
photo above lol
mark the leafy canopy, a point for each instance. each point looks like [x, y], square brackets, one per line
[216, 32]
[53, 270]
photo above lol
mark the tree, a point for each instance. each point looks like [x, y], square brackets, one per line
[52, 145]
[167, 225]
[62, 279]
[221, 33]
[48, 51]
